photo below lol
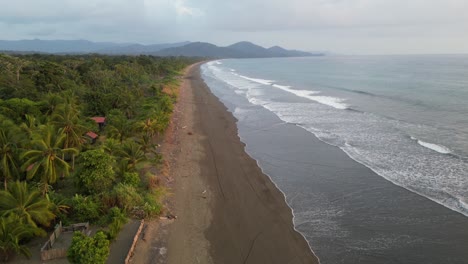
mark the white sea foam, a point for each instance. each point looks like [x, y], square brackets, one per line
[311, 95]
[377, 142]
[435, 147]
[301, 93]
[261, 81]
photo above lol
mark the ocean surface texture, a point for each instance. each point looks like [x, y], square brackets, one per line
[405, 118]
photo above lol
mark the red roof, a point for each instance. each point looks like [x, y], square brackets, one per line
[99, 119]
[92, 135]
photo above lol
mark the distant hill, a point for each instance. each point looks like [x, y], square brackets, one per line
[251, 50]
[55, 46]
[280, 52]
[136, 49]
[201, 49]
[242, 49]
[82, 46]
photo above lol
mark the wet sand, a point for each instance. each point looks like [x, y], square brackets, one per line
[227, 210]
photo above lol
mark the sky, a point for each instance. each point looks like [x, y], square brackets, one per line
[338, 26]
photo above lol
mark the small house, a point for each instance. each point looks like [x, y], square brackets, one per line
[101, 121]
[92, 136]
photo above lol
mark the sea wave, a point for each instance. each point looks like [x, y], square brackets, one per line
[435, 147]
[380, 143]
[260, 81]
[311, 95]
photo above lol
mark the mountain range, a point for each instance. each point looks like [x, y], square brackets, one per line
[242, 49]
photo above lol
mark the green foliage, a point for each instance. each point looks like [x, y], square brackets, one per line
[119, 126]
[17, 108]
[118, 220]
[46, 102]
[9, 135]
[131, 178]
[59, 205]
[45, 159]
[26, 203]
[67, 117]
[151, 207]
[85, 208]
[12, 232]
[88, 250]
[111, 146]
[127, 196]
[96, 173]
[131, 154]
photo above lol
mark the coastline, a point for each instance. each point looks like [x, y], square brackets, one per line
[227, 210]
[347, 212]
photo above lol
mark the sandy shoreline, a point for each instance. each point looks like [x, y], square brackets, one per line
[228, 210]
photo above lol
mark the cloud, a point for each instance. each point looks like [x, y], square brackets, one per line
[341, 25]
[183, 10]
[258, 15]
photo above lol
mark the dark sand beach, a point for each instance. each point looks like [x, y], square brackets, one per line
[227, 210]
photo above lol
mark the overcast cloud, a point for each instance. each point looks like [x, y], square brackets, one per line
[341, 26]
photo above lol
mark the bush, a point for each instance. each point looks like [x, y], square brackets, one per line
[96, 174]
[151, 206]
[151, 209]
[88, 250]
[127, 196]
[118, 220]
[85, 209]
[131, 178]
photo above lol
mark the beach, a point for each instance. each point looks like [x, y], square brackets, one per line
[227, 210]
[315, 152]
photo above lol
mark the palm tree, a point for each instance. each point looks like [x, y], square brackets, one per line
[119, 126]
[59, 205]
[52, 100]
[30, 125]
[45, 158]
[149, 126]
[26, 203]
[132, 154]
[8, 151]
[111, 146]
[67, 118]
[12, 231]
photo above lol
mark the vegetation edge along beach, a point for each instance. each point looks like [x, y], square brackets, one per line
[227, 210]
[79, 144]
[83, 147]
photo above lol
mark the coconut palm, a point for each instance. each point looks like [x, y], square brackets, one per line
[12, 231]
[9, 135]
[30, 125]
[52, 101]
[67, 118]
[119, 126]
[131, 154]
[111, 146]
[45, 159]
[26, 203]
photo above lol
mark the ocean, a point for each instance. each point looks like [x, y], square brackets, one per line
[371, 152]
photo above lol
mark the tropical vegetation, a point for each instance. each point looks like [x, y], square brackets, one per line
[57, 163]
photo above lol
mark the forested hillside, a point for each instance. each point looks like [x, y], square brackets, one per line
[77, 139]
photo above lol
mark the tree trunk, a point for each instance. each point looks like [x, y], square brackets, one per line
[73, 162]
